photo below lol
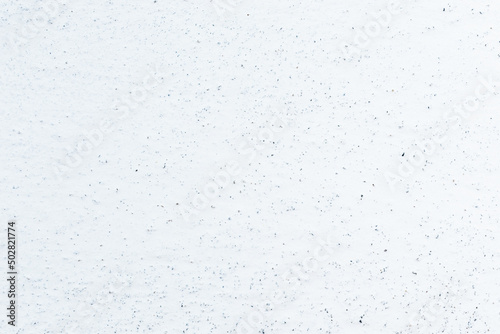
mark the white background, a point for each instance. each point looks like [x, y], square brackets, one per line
[313, 108]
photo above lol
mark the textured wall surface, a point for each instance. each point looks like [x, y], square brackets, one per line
[237, 166]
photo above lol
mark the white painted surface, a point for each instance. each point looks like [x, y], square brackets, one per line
[117, 116]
